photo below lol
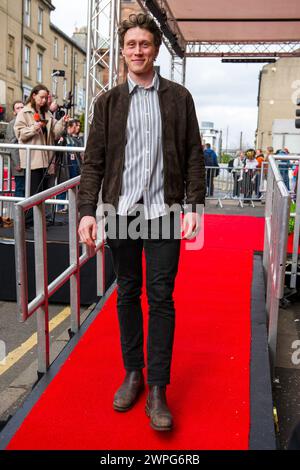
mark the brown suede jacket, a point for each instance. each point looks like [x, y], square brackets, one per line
[184, 170]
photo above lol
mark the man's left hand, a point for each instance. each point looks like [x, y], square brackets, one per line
[191, 225]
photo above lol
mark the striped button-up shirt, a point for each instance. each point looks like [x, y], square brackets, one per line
[143, 176]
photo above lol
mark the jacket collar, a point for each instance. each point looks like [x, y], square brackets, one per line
[163, 85]
[28, 108]
[132, 85]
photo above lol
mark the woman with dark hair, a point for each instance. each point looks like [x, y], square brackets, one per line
[35, 125]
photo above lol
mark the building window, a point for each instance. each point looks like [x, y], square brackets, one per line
[39, 64]
[27, 12]
[55, 54]
[66, 55]
[65, 89]
[75, 61]
[11, 53]
[40, 21]
[27, 61]
[84, 68]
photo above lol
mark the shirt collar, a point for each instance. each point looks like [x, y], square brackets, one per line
[132, 85]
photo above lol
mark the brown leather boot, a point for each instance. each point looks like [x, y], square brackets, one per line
[128, 393]
[157, 409]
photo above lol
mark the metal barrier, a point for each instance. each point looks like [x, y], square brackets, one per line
[44, 290]
[294, 191]
[275, 247]
[224, 183]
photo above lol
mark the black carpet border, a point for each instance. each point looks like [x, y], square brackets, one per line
[262, 432]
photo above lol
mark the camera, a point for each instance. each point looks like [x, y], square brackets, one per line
[59, 113]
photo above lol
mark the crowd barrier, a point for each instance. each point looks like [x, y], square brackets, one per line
[226, 183]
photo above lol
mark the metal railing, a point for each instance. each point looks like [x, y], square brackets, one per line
[275, 248]
[44, 290]
[291, 183]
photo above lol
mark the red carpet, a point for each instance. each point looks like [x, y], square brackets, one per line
[209, 395]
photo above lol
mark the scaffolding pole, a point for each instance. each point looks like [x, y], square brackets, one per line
[178, 69]
[103, 51]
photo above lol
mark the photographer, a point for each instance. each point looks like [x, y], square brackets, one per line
[35, 125]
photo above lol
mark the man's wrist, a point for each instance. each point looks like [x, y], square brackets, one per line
[193, 208]
[87, 209]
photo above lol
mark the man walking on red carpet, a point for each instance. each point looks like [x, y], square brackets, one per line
[144, 146]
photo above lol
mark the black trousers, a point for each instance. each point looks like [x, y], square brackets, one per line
[162, 256]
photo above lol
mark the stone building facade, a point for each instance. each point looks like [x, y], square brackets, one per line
[278, 91]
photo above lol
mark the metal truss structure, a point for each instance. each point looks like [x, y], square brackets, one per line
[178, 69]
[102, 51]
[244, 49]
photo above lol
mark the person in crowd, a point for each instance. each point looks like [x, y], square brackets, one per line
[269, 152]
[74, 139]
[238, 164]
[260, 159]
[147, 153]
[248, 174]
[35, 125]
[11, 138]
[77, 134]
[211, 160]
[284, 166]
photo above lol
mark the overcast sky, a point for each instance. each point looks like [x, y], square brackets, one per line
[225, 94]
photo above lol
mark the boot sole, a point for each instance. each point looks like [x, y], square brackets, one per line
[153, 426]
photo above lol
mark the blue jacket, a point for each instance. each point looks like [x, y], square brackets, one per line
[210, 158]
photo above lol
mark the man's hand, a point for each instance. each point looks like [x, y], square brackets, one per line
[88, 230]
[191, 225]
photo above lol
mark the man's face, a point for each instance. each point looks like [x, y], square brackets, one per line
[139, 50]
[18, 107]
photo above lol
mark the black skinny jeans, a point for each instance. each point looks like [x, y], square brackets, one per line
[162, 258]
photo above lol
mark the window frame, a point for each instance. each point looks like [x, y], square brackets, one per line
[39, 67]
[27, 62]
